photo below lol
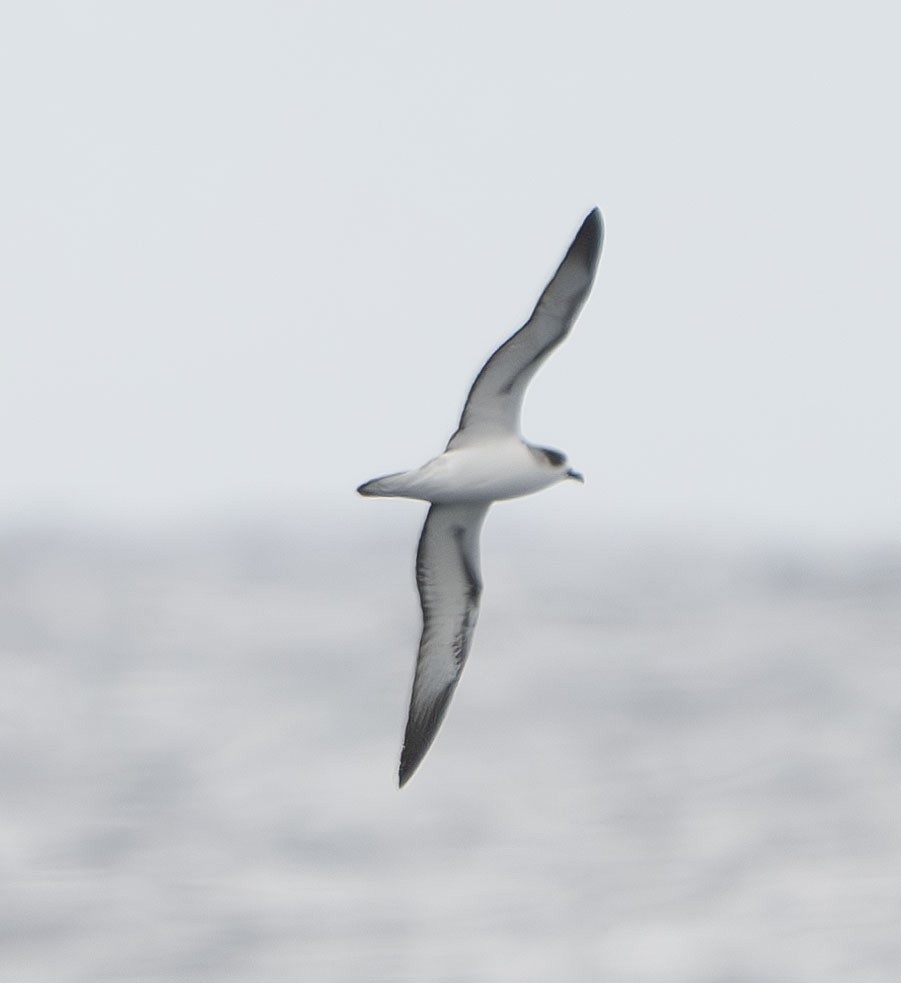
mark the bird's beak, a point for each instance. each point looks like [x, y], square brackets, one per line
[575, 476]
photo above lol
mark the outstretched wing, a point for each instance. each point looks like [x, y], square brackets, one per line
[495, 400]
[450, 583]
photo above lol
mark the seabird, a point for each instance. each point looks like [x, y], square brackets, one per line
[486, 460]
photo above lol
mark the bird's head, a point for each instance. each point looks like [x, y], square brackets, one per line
[559, 463]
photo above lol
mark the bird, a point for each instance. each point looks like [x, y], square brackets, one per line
[486, 460]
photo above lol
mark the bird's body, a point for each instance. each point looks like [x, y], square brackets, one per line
[485, 461]
[504, 466]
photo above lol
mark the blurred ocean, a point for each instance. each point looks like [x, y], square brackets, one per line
[666, 762]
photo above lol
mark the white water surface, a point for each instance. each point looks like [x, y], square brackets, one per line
[665, 763]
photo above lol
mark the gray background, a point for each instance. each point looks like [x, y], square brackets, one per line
[253, 254]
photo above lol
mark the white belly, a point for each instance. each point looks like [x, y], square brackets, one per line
[500, 469]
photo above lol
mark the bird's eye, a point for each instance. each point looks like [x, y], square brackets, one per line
[554, 457]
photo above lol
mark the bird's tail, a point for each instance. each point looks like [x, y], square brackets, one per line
[395, 485]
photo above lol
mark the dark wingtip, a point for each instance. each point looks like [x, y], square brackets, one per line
[409, 762]
[403, 774]
[420, 733]
[416, 743]
[590, 237]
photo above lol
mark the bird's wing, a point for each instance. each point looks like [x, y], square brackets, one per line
[450, 583]
[495, 400]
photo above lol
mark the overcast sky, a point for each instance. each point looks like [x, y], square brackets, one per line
[254, 253]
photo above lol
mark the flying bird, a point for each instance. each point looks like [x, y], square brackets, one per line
[485, 461]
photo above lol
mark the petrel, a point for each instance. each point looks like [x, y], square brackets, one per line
[486, 460]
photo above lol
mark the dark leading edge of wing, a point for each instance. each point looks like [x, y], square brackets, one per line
[450, 584]
[495, 398]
